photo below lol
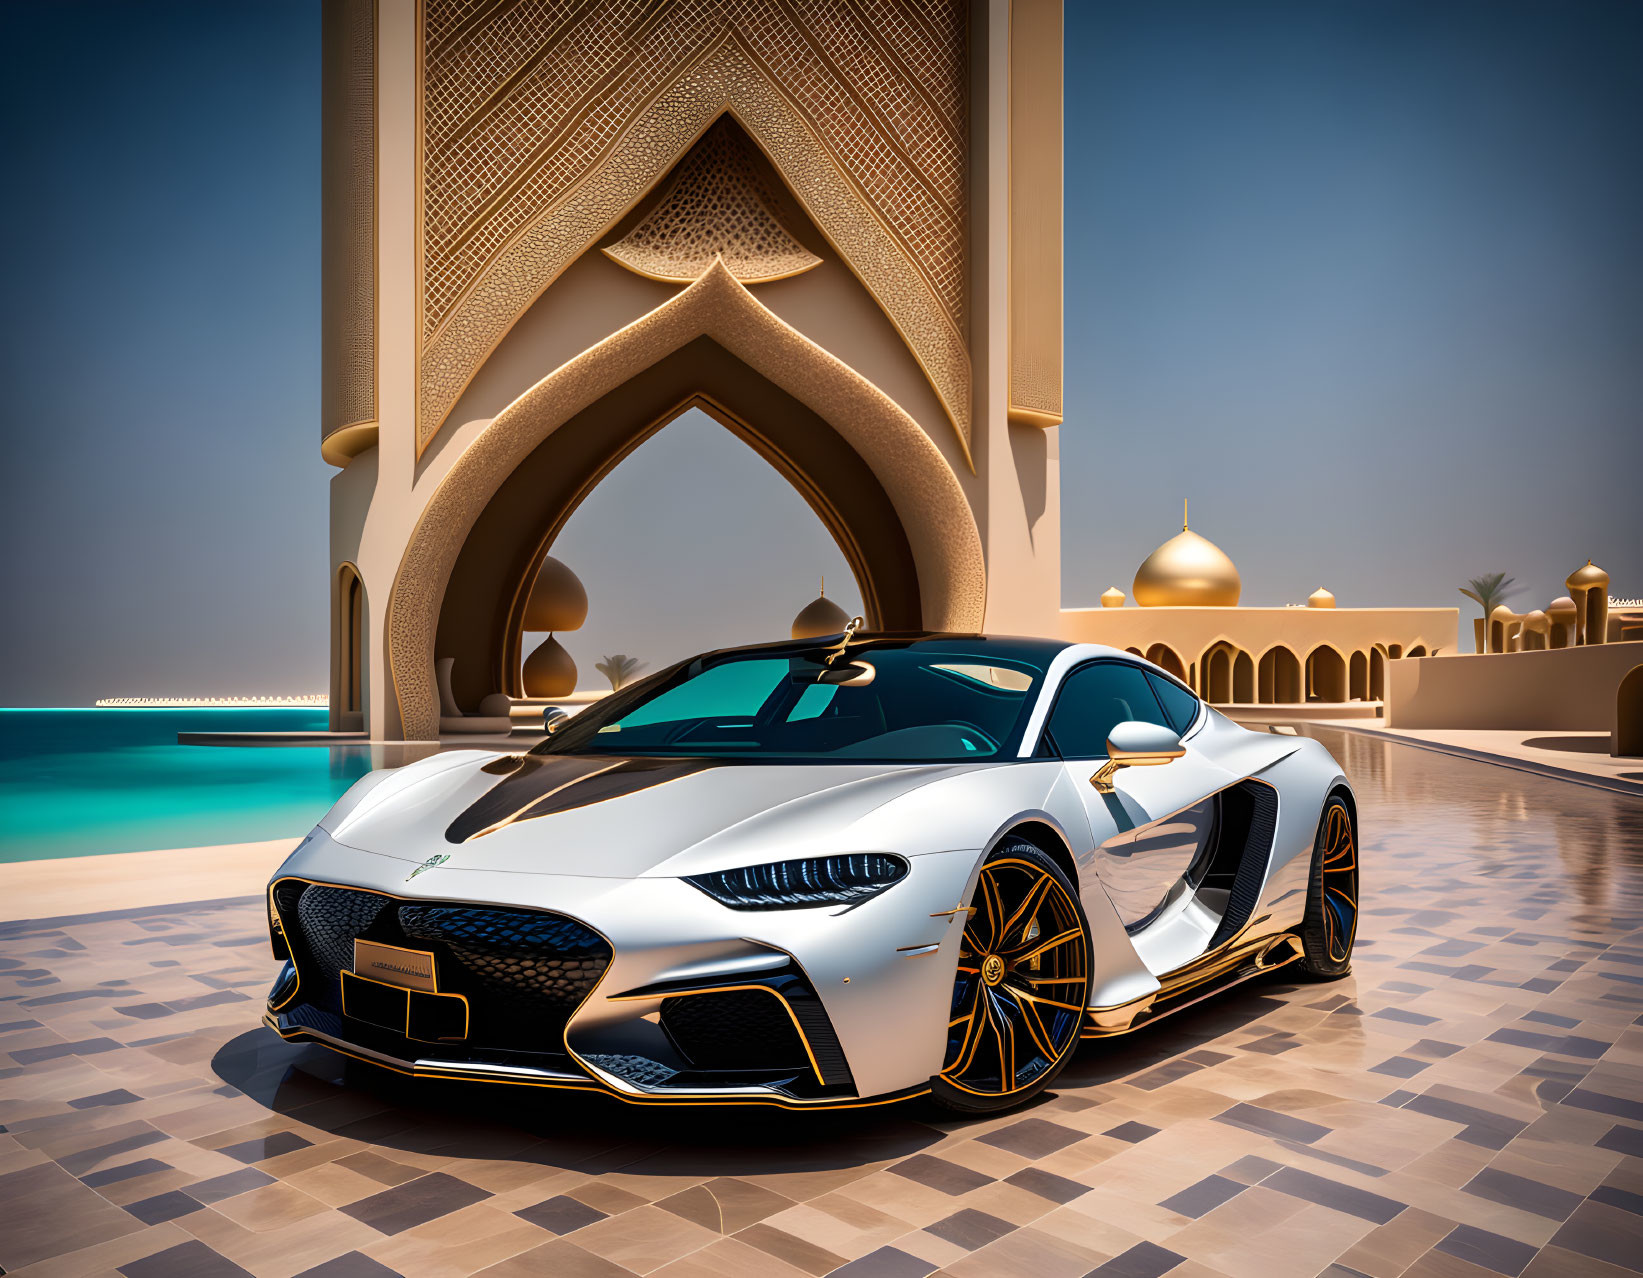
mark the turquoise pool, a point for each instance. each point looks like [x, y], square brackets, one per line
[78, 782]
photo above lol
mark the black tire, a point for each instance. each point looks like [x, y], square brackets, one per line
[1331, 922]
[1024, 971]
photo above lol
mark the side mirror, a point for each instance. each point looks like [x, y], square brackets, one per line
[1134, 744]
[553, 718]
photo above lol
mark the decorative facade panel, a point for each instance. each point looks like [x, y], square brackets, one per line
[349, 248]
[1035, 212]
[545, 120]
[719, 203]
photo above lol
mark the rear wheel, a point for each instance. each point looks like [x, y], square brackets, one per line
[1022, 985]
[1331, 923]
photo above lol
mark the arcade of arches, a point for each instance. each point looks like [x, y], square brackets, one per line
[1191, 624]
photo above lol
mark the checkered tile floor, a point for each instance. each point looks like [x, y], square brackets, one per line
[1468, 1103]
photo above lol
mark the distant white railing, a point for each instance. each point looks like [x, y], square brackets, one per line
[311, 699]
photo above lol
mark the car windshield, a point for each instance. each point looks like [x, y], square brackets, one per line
[920, 701]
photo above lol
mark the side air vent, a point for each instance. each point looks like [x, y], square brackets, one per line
[1256, 808]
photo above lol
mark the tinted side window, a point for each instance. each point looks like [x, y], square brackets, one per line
[1179, 704]
[1092, 699]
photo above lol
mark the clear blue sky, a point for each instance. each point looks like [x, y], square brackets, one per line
[1363, 279]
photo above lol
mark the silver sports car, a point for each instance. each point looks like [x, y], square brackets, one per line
[818, 873]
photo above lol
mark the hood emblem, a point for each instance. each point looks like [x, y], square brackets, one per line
[432, 863]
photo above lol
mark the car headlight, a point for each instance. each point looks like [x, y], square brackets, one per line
[787, 885]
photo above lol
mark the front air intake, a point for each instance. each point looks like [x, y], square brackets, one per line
[523, 972]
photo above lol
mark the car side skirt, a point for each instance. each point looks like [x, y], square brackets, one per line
[1216, 971]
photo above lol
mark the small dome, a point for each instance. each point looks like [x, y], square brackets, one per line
[558, 601]
[1187, 571]
[1562, 606]
[1502, 613]
[1320, 598]
[1535, 619]
[821, 616]
[1584, 578]
[1112, 597]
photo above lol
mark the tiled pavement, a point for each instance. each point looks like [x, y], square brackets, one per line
[1468, 1103]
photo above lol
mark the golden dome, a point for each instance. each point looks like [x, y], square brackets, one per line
[1562, 606]
[549, 671]
[558, 600]
[1586, 577]
[1112, 597]
[821, 616]
[1535, 619]
[1320, 598]
[1187, 571]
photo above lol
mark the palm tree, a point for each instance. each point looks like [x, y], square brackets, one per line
[619, 669]
[1490, 591]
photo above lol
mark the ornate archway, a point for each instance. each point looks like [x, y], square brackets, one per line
[922, 501]
[348, 611]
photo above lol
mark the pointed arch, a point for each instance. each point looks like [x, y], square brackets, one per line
[1325, 674]
[1216, 671]
[1628, 715]
[1162, 655]
[922, 490]
[1243, 679]
[347, 700]
[1279, 677]
[1377, 673]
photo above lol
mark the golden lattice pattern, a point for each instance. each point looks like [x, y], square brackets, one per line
[719, 203]
[523, 104]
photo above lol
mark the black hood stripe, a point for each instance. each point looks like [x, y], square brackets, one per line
[546, 784]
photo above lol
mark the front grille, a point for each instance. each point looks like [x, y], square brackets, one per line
[523, 972]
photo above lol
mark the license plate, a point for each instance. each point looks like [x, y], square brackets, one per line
[392, 965]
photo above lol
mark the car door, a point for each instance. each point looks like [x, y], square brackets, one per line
[1150, 828]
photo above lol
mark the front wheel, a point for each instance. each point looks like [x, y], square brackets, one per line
[1022, 984]
[1331, 923]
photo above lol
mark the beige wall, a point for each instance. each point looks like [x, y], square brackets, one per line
[1565, 689]
[1190, 631]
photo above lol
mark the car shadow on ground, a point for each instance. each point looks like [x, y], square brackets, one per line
[595, 1134]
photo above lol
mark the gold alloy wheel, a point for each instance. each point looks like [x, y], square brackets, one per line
[1023, 981]
[1340, 885]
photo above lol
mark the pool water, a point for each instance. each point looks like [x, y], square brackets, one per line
[78, 782]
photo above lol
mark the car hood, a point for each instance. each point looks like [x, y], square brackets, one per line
[605, 817]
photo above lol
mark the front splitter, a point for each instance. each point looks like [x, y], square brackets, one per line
[527, 1076]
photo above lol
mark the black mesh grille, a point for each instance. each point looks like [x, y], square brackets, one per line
[329, 919]
[523, 972]
[734, 1030]
[519, 969]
